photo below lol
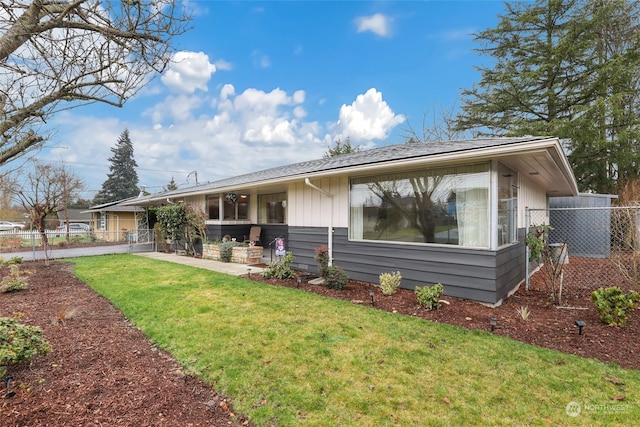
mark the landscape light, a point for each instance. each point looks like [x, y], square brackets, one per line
[371, 295]
[299, 280]
[580, 324]
[493, 322]
[249, 271]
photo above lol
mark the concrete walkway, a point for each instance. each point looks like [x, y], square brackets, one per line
[208, 264]
[222, 267]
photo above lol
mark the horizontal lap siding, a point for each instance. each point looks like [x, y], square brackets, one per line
[510, 269]
[481, 275]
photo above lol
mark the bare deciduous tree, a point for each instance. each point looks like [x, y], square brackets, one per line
[437, 127]
[43, 192]
[61, 54]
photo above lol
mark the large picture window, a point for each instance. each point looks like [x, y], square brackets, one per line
[272, 208]
[444, 205]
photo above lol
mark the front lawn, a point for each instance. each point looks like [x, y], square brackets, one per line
[286, 357]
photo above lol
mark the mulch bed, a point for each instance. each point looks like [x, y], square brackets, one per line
[104, 371]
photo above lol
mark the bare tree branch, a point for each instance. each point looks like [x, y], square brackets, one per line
[60, 54]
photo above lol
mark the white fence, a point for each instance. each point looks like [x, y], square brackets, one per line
[60, 237]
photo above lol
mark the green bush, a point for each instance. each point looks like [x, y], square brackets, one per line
[226, 250]
[429, 296]
[281, 269]
[390, 282]
[16, 280]
[336, 278]
[613, 305]
[536, 240]
[19, 343]
[12, 260]
[322, 258]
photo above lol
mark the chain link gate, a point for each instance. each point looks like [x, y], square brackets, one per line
[585, 249]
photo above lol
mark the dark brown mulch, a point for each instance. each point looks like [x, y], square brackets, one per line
[103, 371]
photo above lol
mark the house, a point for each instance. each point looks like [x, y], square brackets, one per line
[113, 222]
[73, 215]
[449, 212]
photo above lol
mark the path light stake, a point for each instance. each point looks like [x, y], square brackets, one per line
[373, 303]
[580, 324]
[298, 280]
[249, 271]
[493, 322]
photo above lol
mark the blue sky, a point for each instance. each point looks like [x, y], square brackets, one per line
[260, 84]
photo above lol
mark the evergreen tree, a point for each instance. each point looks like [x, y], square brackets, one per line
[341, 148]
[122, 180]
[171, 186]
[566, 68]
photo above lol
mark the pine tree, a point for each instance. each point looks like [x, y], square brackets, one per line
[171, 186]
[565, 68]
[341, 148]
[122, 180]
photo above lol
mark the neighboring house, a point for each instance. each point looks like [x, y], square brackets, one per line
[112, 222]
[449, 212]
[74, 215]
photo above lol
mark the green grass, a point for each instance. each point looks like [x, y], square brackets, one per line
[290, 358]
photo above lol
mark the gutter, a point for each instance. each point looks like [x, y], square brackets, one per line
[330, 226]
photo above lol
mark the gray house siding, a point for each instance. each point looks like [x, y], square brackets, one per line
[481, 275]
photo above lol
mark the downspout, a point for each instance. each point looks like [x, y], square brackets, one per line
[330, 226]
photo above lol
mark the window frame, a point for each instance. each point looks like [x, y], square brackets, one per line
[491, 205]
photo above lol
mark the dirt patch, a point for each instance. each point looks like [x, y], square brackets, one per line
[103, 370]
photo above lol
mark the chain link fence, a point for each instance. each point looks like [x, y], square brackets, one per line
[584, 248]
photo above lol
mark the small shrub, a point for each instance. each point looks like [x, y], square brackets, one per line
[322, 258]
[226, 250]
[536, 241]
[613, 305]
[390, 282]
[76, 239]
[12, 260]
[16, 280]
[524, 312]
[10, 242]
[429, 296]
[281, 269]
[336, 278]
[19, 343]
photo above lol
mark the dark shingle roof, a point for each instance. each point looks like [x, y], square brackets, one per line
[366, 157]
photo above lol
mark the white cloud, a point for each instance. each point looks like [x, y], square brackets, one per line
[260, 60]
[233, 133]
[221, 64]
[188, 72]
[378, 24]
[367, 118]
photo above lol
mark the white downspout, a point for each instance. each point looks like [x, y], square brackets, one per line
[330, 226]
